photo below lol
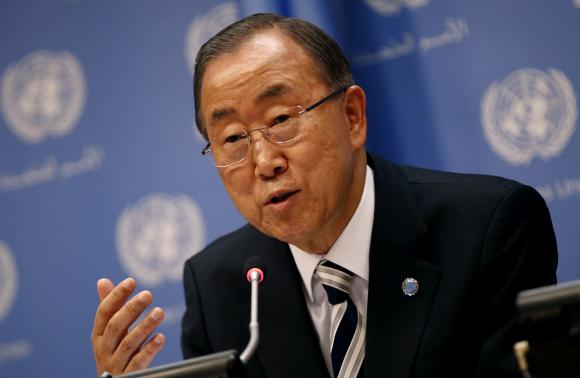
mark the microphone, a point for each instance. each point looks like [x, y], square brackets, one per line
[255, 264]
[255, 270]
[223, 364]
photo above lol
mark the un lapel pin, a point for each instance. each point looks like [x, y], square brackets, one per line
[410, 286]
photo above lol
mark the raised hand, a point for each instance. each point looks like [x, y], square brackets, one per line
[117, 349]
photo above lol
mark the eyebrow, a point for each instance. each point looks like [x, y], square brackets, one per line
[219, 114]
[272, 91]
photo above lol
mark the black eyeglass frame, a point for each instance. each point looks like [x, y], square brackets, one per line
[207, 149]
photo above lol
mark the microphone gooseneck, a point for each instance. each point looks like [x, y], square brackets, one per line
[216, 364]
[255, 272]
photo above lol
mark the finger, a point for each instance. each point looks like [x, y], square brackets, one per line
[111, 304]
[144, 357]
[104, 288]
[135, 338]
[117, 327]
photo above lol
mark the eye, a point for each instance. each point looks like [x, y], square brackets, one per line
[279, 119]
[234, 138]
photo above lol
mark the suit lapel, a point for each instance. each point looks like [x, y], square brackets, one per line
[289, 345]
[396, 321]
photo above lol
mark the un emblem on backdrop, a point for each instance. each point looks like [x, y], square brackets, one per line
[206, 26]
[43, 95]
[530, 113]
[8, 280]
[157, 235]
[390, 7]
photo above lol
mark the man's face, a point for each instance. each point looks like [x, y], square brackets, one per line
[303, 192]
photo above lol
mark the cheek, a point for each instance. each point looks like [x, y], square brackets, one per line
[323, 177]
[238, 184]
[333, 172]
[332, 160]
[331, 134]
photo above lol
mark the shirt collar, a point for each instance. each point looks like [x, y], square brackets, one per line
[351, 249]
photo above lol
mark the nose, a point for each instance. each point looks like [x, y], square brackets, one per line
[269, 158]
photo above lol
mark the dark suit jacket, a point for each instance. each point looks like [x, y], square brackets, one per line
[472, 242]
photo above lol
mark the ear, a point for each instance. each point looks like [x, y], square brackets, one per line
[355, 111]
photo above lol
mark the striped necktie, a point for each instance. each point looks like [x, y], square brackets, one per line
[347, 325]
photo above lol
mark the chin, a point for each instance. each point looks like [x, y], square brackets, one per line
[285, 233]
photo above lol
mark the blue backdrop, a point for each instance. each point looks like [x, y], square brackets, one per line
[100, 165]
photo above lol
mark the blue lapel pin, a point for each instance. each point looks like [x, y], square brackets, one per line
[410, 286]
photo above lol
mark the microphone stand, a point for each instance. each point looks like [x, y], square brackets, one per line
[255, 277]
[222, 364]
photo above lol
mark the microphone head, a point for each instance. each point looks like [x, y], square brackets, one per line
[255, 264]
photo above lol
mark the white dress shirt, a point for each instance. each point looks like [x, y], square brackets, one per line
[351, 251]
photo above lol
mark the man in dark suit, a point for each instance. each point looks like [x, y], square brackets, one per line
[472, 242]
[435, 259]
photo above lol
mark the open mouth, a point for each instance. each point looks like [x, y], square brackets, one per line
[282, 197]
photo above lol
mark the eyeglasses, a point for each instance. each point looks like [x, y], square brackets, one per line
[285, 127]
